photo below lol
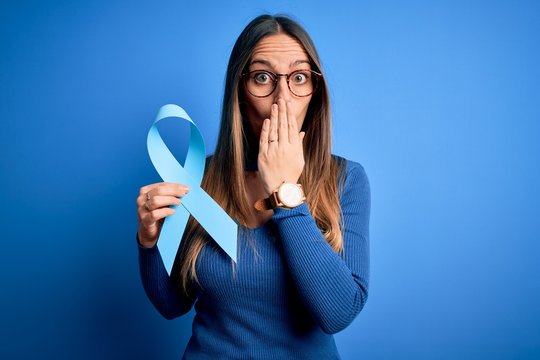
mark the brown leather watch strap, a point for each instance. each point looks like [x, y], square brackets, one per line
[262, 204]
[268, 203]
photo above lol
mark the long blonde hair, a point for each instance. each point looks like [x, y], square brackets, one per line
[224, 178]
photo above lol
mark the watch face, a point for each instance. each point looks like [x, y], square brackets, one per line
[290, 194]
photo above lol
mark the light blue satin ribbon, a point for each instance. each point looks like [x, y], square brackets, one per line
[208, 213]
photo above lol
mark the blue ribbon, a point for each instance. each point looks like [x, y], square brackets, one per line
[208, 213]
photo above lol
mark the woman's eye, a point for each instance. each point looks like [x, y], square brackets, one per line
[262, 78]
[300, 78]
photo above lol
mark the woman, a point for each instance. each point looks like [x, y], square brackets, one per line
[303, 259]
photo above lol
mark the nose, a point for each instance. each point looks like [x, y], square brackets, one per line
[282, 90]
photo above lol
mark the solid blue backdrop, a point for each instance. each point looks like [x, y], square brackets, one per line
[438, 101]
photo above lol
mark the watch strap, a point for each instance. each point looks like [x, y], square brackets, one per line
[272, 201]
[269, 203]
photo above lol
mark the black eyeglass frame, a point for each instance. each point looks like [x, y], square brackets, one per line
[275, 78]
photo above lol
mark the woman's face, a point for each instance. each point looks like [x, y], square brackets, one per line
[280, 54]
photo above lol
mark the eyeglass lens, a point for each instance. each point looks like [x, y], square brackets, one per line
[262, 83]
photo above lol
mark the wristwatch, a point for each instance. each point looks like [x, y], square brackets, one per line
[287, 195]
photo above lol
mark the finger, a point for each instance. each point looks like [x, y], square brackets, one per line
[156, 202]
[273, 135]
[143, 190]
[147, 188]
[292, 128]
[167, 188]
[283, 133]
[263, 141]
[154, 216]
[162, 188]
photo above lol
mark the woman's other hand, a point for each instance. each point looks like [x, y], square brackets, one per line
[281, 155]
[153, 206]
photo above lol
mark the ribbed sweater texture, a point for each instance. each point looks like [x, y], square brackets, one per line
[290, 292]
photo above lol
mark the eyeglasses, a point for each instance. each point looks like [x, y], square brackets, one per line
[262, 83]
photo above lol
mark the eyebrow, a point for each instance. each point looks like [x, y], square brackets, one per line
[267, 63]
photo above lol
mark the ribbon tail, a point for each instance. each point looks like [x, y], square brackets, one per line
[171, 235]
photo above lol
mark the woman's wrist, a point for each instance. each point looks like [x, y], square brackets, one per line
[146, 243]
[274, 185]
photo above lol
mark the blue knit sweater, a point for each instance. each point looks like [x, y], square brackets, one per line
[287, 297]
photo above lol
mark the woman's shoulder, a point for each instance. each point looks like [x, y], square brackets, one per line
[352, 178]
[348, 166]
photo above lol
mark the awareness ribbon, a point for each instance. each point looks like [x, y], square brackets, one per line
[196, 202]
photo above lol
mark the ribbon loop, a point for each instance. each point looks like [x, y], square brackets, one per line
[197, 202]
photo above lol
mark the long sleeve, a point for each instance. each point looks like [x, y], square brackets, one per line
[167, 298]
[334, 287]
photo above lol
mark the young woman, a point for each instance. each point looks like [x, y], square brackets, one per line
[303, 214]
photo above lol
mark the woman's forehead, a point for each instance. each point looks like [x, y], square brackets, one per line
[279, 48]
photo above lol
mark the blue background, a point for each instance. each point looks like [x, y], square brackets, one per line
[438, 100]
